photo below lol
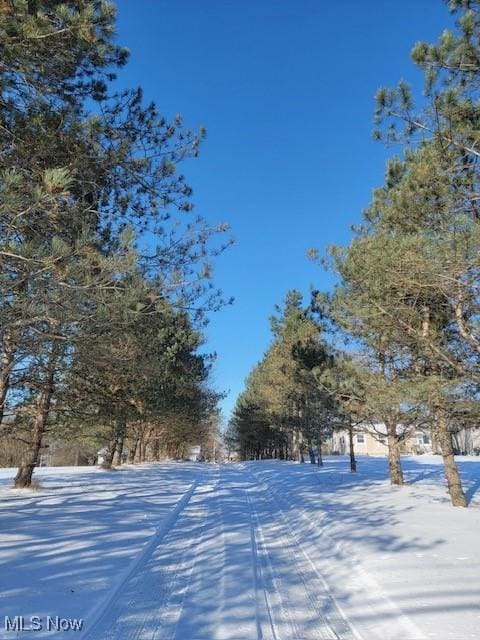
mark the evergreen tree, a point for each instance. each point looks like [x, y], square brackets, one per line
[87, 177]
[409, 277]
[283, 412]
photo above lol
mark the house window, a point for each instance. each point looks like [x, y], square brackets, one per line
[360, 438]
[422, 438]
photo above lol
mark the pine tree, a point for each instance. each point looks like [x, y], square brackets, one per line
[87, 175]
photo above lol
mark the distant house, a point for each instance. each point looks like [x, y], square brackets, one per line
[193, 453]
[101, 455]
[371, 440]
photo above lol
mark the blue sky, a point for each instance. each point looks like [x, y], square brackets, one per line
[285, 89]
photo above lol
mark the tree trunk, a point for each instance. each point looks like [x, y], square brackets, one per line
[299, 446]
[117, 456]
[119, 431]
[394, 464]
[30, 458]
[435, 446]
[443, 438]
[319, 449]
[141, 446]
[108, 459]
[353, 462]
[133, 450]
[294, 446]
[145, 440]
[6, 364]
[455, 489]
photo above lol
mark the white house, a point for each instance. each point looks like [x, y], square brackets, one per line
[193, 453]
[101, 455]
[371, 440]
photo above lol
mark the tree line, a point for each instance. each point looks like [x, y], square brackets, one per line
[105, 272]
[407, 296]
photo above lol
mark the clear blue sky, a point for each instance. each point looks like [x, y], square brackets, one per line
[285, 89]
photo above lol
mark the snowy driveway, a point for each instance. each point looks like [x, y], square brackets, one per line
[272, 551]
[228, 566]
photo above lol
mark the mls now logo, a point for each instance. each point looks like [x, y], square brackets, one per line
[64, 624]
[35, 623]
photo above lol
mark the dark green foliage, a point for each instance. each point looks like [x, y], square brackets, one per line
[283, 411]
[100, 261]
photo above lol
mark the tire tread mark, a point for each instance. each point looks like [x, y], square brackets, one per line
[165, 526]
[291, 532]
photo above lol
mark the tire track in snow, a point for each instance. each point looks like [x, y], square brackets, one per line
[290, 597]
[259, 582]
[222, 586]
[303, 596]
[387, 620]
[101, 613]
[173, 611]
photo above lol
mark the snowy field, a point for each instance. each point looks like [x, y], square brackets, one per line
[270, 550]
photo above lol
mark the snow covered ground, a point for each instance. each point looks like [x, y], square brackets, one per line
[271, 550]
